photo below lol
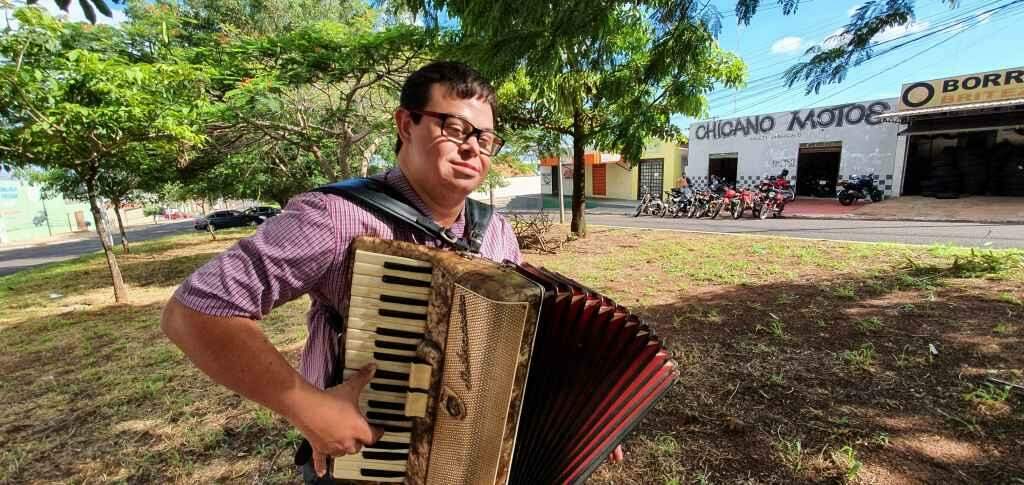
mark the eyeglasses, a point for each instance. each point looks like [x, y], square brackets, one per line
[459, 129]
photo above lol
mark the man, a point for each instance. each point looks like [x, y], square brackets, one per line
[446, 138]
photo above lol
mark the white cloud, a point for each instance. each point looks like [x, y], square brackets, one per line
[899, 31]
[786, 45]
[835, 39]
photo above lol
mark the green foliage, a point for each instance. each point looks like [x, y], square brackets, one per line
[988, 394]
[610, 76]
[75, 104]
[968, 264]
[863, 358]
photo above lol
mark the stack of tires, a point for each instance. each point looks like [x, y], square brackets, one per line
[944, 179]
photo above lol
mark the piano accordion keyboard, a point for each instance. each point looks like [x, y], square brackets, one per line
[386, 321]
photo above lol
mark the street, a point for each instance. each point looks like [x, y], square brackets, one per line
[962, 234]
[16, 259]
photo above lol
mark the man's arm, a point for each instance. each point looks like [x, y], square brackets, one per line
[235, 353]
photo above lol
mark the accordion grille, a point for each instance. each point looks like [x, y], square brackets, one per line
[481, 356]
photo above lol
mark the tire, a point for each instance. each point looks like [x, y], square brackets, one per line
[737, 209]
[717, 210]
[876, 196]
[766, 210]
[639, 209]
[845, 198]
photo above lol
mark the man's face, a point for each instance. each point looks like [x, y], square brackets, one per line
[446, 170]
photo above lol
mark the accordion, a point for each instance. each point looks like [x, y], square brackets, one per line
[490, 373]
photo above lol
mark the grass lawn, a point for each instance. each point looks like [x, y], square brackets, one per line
[802, 362]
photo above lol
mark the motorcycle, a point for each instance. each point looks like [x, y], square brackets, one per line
[729, 198]
[699, 206]
[746, 200]
[679, 201]
[823, 188]
[857, 188]
[773, 200]
[649, 204]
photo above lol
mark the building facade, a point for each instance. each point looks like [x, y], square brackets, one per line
[25, 215]
[661, 164]
[965, 134]
[818, 146]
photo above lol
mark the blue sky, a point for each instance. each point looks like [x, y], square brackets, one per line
[976, 42]
[972, 41]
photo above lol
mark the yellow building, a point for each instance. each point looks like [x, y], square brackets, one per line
[608, 176]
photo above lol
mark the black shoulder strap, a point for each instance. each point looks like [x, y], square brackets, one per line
[376, 194]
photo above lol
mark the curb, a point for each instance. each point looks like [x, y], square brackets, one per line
[854, 217]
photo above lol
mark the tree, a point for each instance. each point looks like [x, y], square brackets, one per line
[71, 101]
[608, 76]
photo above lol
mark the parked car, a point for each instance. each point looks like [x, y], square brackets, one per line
[225, 218]
[262, 212]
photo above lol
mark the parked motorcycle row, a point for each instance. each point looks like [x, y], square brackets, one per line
[767, 199]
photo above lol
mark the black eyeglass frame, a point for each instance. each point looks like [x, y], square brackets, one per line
[475, 132]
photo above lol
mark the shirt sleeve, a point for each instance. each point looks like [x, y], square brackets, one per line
[506, 242]
[289, 254]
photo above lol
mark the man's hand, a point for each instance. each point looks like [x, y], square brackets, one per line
[339, 428]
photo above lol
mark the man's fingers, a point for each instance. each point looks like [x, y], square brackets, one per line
[360, 379]
[377, 433]
[319, 463]
[366, 434]
[617, 455]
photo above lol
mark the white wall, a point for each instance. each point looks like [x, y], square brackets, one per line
[547, 180]
[516, 186]
[768, 143]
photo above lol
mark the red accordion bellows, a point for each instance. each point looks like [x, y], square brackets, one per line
[595, 372]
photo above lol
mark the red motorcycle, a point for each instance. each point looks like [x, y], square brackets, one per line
[774, 199]
[747, 200]
[729, 199]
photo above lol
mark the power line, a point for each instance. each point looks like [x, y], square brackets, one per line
[942, 27]
[893, 66]
[772, 82]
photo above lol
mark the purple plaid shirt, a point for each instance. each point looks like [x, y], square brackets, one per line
[305, 250]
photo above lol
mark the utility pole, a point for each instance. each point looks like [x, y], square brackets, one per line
[561, 194]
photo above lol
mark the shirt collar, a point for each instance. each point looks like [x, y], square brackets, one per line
[396, 179]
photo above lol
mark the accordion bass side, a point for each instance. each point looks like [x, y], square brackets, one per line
[490, 373]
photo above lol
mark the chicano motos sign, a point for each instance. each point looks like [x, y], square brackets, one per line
[833, 116]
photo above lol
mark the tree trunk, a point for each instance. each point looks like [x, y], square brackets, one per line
[120, 225]
[120, 293]
[578, 226]
[344, 148]
[364, 167]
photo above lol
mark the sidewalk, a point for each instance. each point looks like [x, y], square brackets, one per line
[993, 210]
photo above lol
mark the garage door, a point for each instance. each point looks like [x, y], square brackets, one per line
[600, 172]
